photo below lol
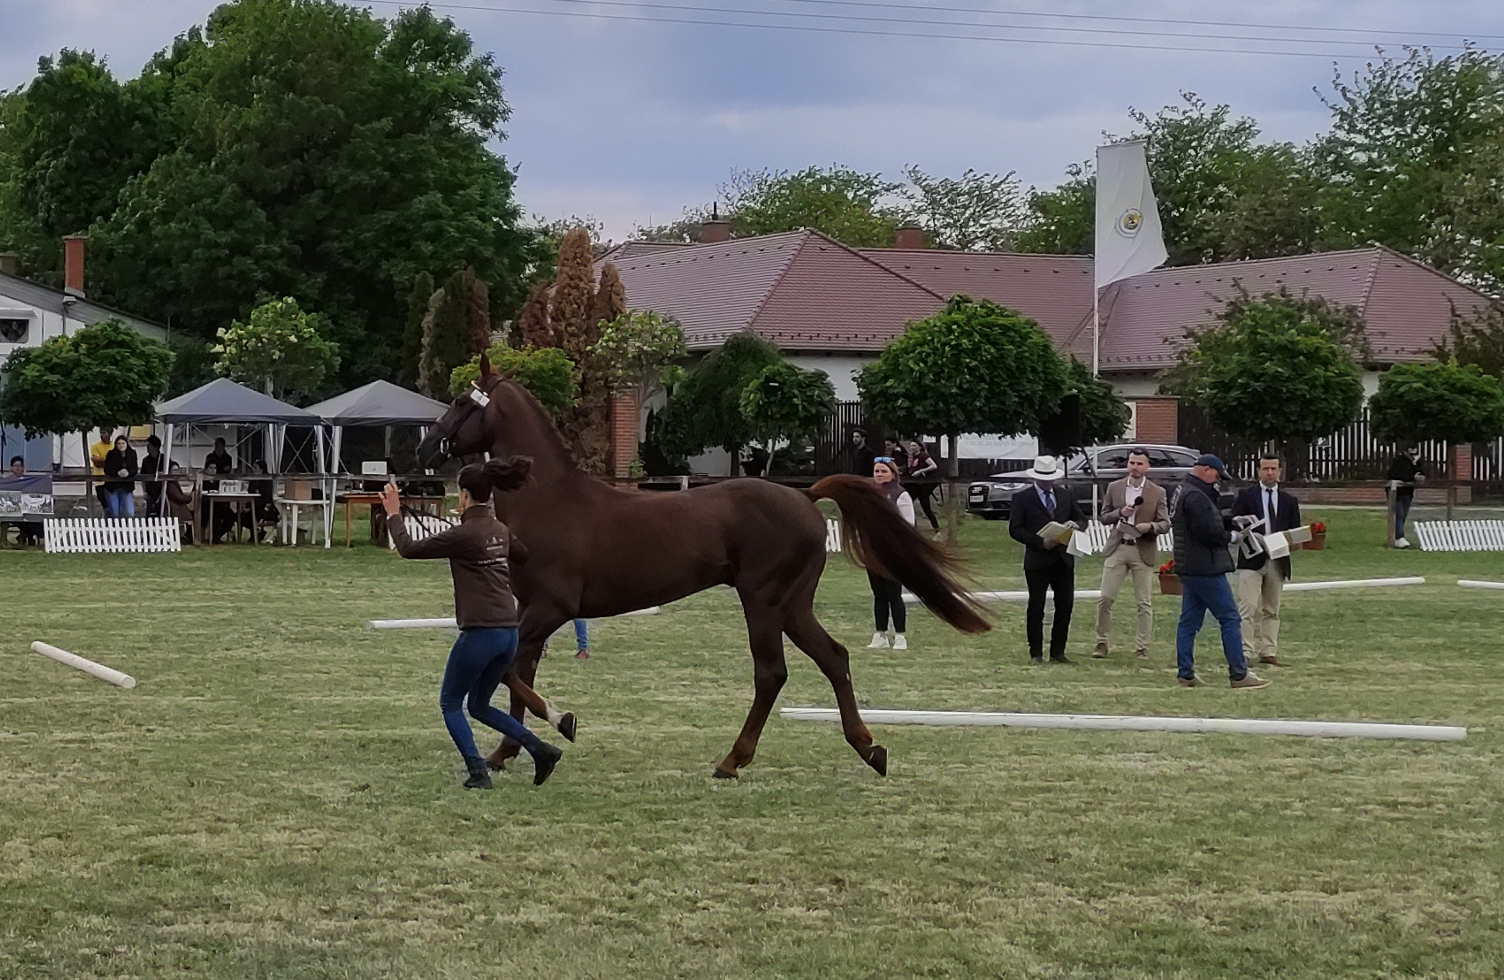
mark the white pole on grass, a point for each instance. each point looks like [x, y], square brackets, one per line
[87, 666]
[1468, 583]
[450, 623]
[1135, 723]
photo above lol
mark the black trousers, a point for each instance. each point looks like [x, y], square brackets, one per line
[920, 493]
[887, 596]
[1061, 579]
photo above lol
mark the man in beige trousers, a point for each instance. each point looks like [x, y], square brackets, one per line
[1137, 512]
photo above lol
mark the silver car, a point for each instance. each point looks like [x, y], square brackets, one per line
[992, 498]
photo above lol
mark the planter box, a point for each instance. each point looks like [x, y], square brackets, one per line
[1169, 584]
[1317, 542]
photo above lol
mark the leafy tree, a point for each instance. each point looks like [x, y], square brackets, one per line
[1276, 368]
[280, 349]
[786, 403]
[533, 325]
[1104, 416]
[1477, 338]
[1444, 402]
[574, 317]
[843, 203]
[972, 367]
[574, 295]
[640, 351]
[102, 375]
[1062, 220]
[477, 312]
[973, 212]
[545, 371]
[705, 410]
[412, 331]
[192, 364]
[300, 148]
[445, 336]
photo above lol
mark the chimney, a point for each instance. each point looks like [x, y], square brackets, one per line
[10, 263]
[73, 265]
[909, 237]
[715, 229]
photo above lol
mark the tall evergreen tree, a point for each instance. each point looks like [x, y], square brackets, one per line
[533, 322]
[412, 333]
[444, 335]
[477, 313]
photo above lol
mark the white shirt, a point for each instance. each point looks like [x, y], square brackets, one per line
[906, 506]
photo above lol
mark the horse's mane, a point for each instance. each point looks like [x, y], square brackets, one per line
[544, 423]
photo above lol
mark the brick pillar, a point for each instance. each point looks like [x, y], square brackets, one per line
[1461, 466]
[909, 237]
[73, 264]
[625, 417]
[1157, 419]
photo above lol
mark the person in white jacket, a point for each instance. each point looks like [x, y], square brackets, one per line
[887, 594]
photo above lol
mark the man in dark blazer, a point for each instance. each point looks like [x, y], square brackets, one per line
[1047, 566]
[1259, 581]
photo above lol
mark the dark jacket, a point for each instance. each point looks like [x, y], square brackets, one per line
[1201, 532]
[1286, 516]
[1029, 515]
[114, 462]
[1404, 469]
[478, 549]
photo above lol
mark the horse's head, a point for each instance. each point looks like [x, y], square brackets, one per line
[462, 430]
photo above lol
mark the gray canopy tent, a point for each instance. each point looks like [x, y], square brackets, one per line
[224, 402]
[379, 404]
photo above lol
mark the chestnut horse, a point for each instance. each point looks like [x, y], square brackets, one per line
[595, 550]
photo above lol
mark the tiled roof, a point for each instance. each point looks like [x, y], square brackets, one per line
[81, 310]
[799, 290]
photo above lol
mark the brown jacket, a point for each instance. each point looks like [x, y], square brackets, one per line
[1153, 509]
[478, 549]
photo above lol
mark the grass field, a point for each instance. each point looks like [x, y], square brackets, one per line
[278, 798]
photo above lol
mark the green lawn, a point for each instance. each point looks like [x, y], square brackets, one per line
[278, 798]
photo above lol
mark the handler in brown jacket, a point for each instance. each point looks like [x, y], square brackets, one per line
[1136, 510]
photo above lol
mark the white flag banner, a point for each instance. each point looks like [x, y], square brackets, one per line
[1130, 239]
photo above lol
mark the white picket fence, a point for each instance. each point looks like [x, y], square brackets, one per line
[420, 526]
[1459, 535]
[108, 535]
[1096, 536]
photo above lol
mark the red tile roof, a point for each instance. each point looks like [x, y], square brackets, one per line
[799, 290]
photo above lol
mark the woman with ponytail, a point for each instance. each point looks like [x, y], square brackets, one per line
[887, 594]
[479, 550]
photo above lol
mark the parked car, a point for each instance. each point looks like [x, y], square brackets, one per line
[992, 498]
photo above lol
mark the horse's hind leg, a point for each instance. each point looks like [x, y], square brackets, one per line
[537, 625]
[835, 663]
[765, 634]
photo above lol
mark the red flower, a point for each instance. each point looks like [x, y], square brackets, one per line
[1317, 527]
[1168, 568]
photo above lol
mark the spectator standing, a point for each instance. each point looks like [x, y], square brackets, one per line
[887, 593]
[581, 640]
[120, 471]
[224, 463]
[921, 480]
[1406, 473]
[1048, 566]
[152, 469]
[1137, 511]
[97, 452]
[1202, 562]
[861, 454]
[1260, 580]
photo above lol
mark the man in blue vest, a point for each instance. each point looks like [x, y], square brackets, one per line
[1203, 561]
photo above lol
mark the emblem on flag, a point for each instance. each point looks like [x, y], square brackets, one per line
[1130, 221]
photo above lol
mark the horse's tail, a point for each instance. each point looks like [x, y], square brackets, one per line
[876, 536]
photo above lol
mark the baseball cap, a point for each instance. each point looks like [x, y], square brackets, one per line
[1214, 463]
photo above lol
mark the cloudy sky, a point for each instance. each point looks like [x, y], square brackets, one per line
[628, 112]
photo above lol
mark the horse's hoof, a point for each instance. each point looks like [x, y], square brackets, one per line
[879, 760]
[724, 773]
[568, 726]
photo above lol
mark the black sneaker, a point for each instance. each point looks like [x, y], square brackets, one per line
[568, 726]
[480, 775]
[1062, 659]
[544, 761]
[1036, 661]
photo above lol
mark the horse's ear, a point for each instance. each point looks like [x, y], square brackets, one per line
[485, 365]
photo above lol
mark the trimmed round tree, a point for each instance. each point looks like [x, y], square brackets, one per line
[705, 409]
[1104, 416]
[545, 371]
[1275, 369]
[279, 349]
[972, 367]
[785, 403]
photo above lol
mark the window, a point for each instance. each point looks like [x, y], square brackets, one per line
[1112, 459]
[1165, 459]
[13, 330]
[1183, 459]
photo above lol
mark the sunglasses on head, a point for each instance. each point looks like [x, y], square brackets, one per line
[882, 459]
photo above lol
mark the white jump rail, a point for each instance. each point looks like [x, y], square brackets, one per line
[1460, 535]
[1095, 536]
[1136, 723]
[108, 674]
[449, 623]
[107, 535]
[1468, 583]
[1355, 583]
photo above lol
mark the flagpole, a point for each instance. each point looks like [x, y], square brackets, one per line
[1096, 325]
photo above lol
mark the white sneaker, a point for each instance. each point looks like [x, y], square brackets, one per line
[900, 642]
[879, 642]
[1401, 543]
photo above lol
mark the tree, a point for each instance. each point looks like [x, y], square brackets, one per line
[973, 212]
[544, 371]
[972, 367]
[1276, 368]
[1104, 416]
[279, 349]
[300, 148]
[1477, 338]
[103, 375]
[638, 351]
[574, 317]
[411, 366]
[533, 326]
[845, 204]
[477, 313]
[574, 295]
[445, 336]
[1442, 402]
[705, 410]
[786, 403]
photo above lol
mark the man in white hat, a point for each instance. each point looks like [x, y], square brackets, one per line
[1047, 564]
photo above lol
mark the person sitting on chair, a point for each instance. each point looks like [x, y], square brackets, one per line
[27, 532]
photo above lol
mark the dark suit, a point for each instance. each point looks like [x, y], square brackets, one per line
[1258, 583]
[1046, 568]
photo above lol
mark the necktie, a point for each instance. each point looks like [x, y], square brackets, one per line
[1049, 501]
[1269, 507]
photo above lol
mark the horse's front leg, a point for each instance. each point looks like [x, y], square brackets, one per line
[539, 621]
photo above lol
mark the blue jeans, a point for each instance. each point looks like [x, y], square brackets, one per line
[120, 503]
[1402, 502]
[1203, 592]
[581, 635]
[477, 663]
